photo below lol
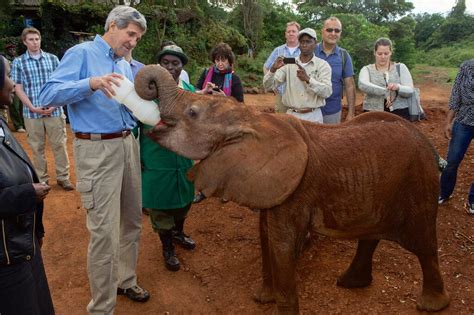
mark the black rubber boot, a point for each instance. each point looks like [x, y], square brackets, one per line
[171, 260]
[180, 238]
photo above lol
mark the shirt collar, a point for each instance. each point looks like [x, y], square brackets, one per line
[311, 61]
[28, 55]
[319, 49]
[105, 47]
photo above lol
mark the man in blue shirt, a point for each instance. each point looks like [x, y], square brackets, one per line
[289, 49]
[29, 72]
[106, 156]
[342, 72]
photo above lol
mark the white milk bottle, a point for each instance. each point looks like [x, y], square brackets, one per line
[145, 111]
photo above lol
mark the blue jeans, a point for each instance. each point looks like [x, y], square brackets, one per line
[458, 145]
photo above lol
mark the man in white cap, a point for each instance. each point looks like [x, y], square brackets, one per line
[308, 80]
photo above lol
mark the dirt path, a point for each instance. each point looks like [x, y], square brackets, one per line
[221, 275]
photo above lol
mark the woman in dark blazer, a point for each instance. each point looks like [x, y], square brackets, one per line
[23, 284]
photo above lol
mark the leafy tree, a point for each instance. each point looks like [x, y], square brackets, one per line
[358, 38]
[376, 11]
[426, 25]
[402, 34]
[452, 30]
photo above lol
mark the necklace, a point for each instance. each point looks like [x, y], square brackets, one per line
[382, 70]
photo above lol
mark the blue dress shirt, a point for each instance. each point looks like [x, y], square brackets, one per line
[89, 111]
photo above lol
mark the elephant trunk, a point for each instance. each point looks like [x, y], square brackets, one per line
[155, 82]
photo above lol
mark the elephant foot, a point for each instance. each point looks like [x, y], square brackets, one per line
[354, 280]
[264, 295]
[433, 302]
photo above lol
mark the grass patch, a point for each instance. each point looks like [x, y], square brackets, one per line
[425, 73]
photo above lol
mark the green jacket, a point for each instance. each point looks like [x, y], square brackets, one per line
[164, 182]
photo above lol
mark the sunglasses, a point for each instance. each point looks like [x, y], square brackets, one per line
[336, 30]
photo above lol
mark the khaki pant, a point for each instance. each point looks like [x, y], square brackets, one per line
[279, 107]
[109, 180]
[55, 129]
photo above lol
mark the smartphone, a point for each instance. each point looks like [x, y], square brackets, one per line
[288, 60]
[217, 89]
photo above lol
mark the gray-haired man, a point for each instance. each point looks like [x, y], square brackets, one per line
[106, 156]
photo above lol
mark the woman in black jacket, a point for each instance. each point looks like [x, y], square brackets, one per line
[23, 284]
[220, 78]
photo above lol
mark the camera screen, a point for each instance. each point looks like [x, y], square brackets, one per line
[289, 60]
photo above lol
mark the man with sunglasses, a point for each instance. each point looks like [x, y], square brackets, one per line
[342, 72]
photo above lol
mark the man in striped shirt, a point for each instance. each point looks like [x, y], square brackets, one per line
[30, 72]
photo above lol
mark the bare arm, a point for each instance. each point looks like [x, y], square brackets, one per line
[449, 124]
[349, 88]
[26, 100]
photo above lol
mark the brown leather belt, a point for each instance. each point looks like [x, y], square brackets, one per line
[102, 136]
[302, 110]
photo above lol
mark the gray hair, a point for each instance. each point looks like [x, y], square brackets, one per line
[332, 18]
[123, 15]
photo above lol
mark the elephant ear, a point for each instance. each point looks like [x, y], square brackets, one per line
[259, 170]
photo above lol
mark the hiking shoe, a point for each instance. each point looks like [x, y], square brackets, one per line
[443, 200]
[470, 208]
[135, 293]
[66, 184]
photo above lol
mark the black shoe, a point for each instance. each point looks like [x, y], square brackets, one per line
[183, 240]
[135, 293]
[171, 260]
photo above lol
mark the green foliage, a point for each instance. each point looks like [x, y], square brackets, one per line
[375, 11]
[402, 34]
[58, 20]
[423, 72]
[198, 25]
[426, 25]
[358, 38]
[449, 56]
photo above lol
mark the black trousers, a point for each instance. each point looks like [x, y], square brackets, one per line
[24, 288]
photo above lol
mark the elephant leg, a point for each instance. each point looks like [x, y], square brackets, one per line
[359, 273]
[433, 297]
[424, 245]
[265, 293]
[283, 245]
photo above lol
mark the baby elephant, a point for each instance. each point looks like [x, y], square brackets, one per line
[372, 178]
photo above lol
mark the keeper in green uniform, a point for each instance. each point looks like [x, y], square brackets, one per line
[167, 194]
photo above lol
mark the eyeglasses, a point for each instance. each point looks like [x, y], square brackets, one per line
[336, 30]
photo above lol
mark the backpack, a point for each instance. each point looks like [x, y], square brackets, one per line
[414, 104]
[344, 58]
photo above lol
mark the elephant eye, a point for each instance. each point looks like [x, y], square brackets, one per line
[192, 113]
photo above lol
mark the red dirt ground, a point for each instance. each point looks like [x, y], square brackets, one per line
[222, 273]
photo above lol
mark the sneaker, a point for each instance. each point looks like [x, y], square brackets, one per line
[442, 200]
[66, 184]
[21, 130]
[135, 293]
[470, 208]
[442, 163]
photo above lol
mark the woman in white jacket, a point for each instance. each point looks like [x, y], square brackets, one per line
[387, 85]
